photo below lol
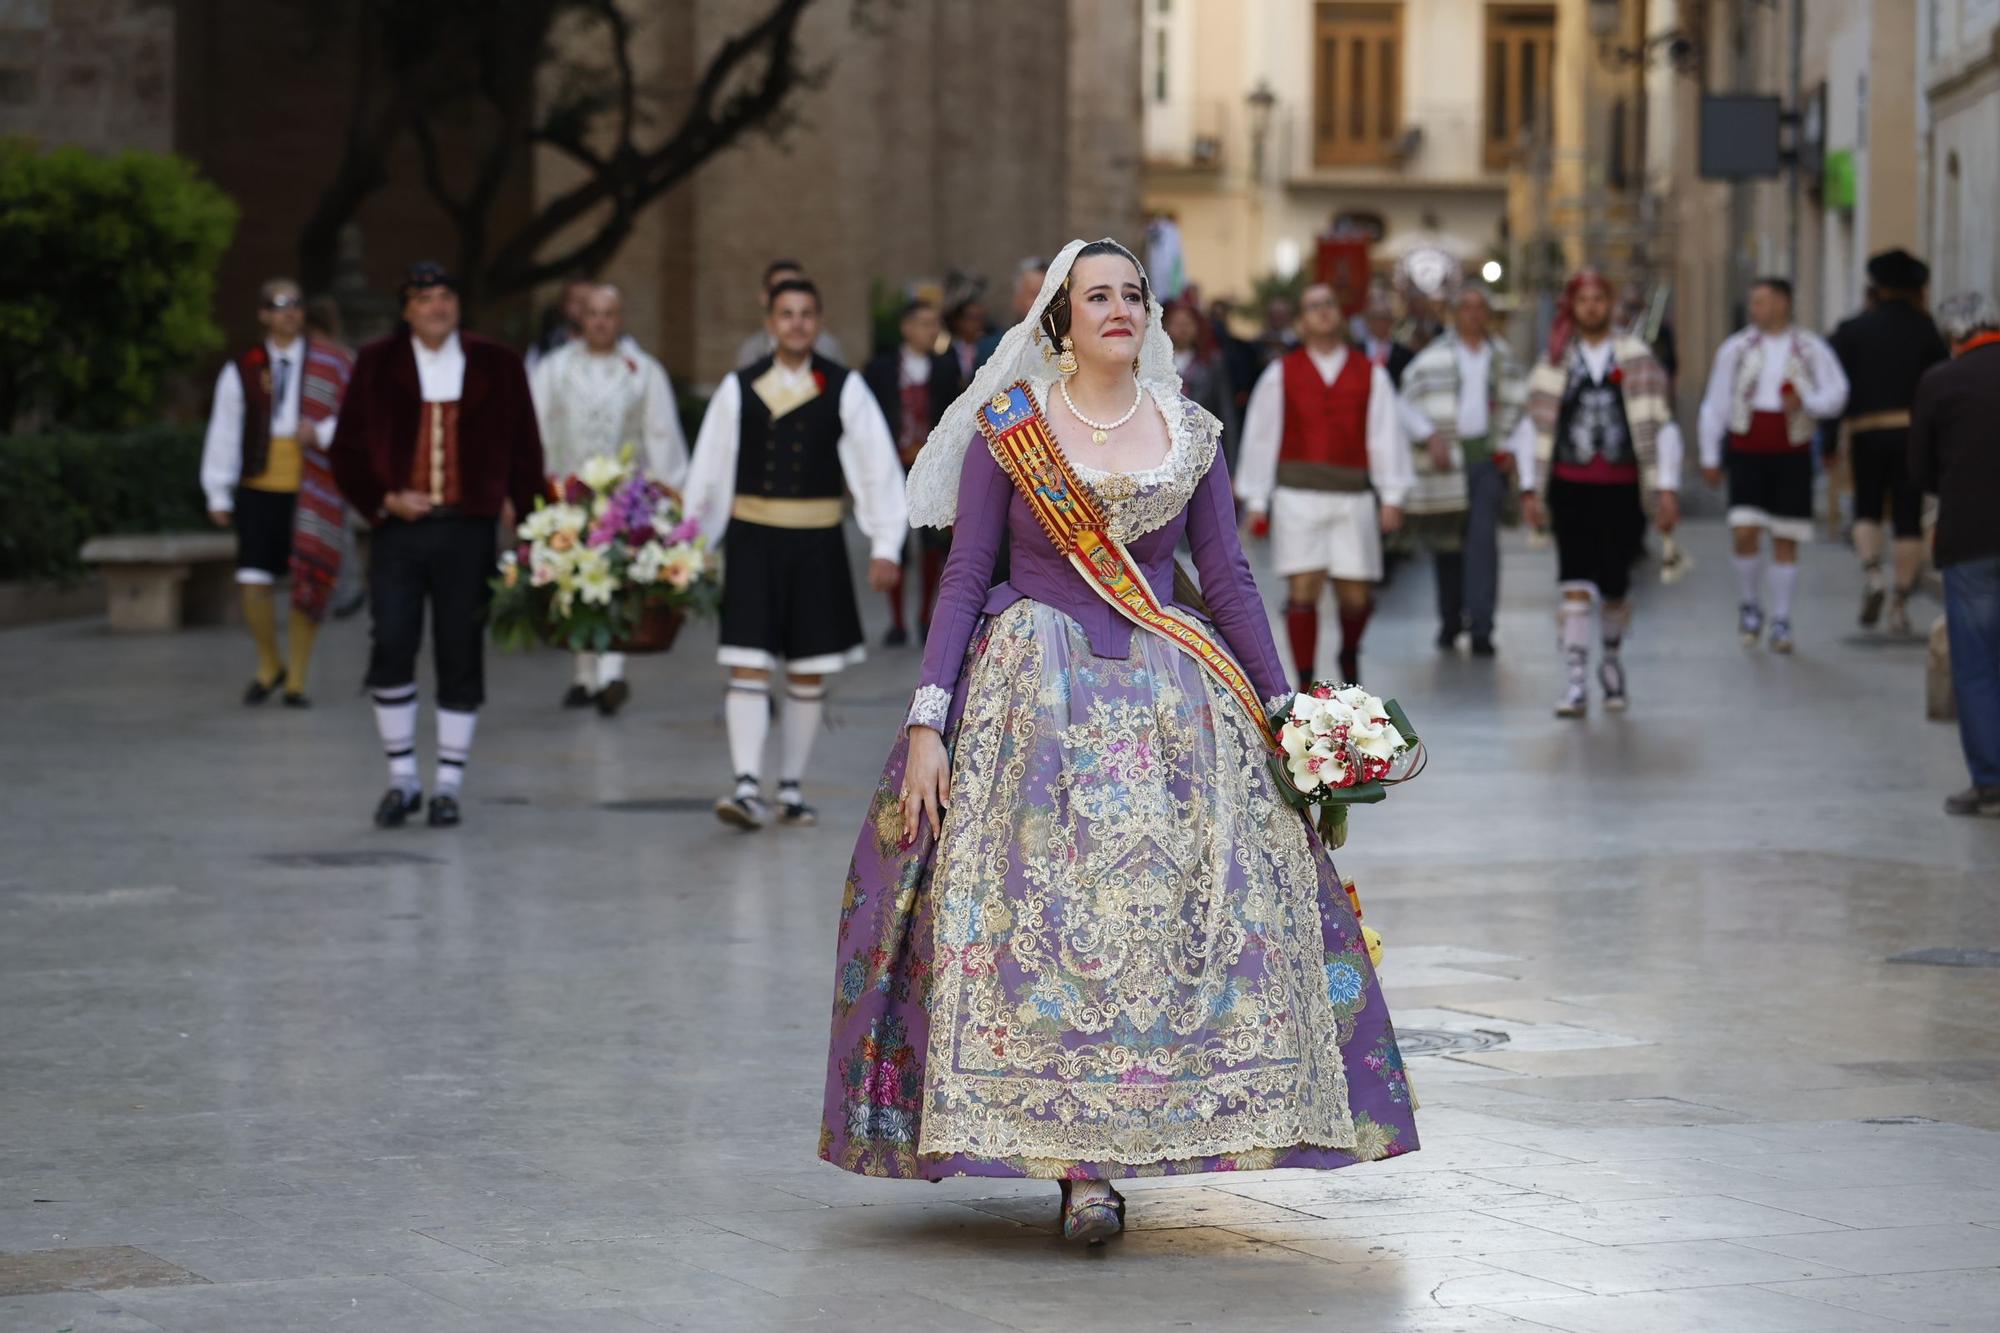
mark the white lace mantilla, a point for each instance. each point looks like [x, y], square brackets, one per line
[930, 708]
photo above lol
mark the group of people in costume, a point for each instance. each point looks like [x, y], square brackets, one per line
[1347, 436]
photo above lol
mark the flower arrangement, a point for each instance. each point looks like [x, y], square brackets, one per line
[608, 561]
[1338, 746]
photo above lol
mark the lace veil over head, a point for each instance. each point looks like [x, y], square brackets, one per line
[932, 487]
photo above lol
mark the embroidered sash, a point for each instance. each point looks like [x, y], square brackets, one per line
[1026, 450]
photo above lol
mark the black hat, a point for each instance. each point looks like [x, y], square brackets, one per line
[1898, 271]
[426, 273]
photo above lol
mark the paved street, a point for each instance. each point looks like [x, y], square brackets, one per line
[263, 1067]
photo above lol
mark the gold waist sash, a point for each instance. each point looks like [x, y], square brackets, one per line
[1026, 450]
[284, 468]
[773, 512]
[1896, 418]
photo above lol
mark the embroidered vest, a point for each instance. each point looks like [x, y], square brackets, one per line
[1795, 422]
[435, 468]
[1593, 439]
[1327, 424]
[796, 456]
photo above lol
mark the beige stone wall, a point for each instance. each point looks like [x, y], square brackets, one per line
[95, 73]
[956, 134]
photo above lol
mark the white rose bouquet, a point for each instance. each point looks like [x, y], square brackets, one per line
[608, 561]
[1338, 746]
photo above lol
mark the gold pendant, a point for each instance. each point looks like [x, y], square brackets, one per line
[1097, 437]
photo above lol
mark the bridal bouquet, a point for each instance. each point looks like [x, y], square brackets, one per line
[1340, 746]
[608, 562]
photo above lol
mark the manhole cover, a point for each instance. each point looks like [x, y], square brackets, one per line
[1438, 1041]
[347, 860]
[655, 805]
[1951, 957]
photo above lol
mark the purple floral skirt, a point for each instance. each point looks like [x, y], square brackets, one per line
[1126, 955]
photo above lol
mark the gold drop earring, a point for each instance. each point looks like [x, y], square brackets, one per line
[1066, 363]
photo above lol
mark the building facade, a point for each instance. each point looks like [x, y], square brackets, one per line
[1270, 124]
[954, 135]
[1959, 75]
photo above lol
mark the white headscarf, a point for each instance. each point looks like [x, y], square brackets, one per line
[932, 487]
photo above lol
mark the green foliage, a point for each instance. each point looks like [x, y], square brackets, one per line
[1271, 286]
[59, 491]
[107, 275]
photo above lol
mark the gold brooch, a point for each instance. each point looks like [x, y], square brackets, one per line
[1001, 402]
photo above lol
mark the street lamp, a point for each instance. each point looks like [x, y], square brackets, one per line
[1262, 102]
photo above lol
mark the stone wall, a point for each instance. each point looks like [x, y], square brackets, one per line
[96, 73]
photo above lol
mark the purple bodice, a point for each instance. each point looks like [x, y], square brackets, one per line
[988, 505]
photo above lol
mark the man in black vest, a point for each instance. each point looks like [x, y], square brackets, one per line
[784, 439]
[1884, 351]
[913, 384]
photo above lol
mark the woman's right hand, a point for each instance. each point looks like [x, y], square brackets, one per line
[926, 781]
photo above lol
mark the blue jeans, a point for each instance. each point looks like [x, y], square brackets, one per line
[1972, 619]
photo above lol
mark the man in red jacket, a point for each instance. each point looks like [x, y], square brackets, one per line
[437, 447]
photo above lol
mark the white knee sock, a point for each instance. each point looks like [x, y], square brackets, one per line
[1749, 568]
[396, 723]
[746, 711]
[586, 670]
[454, 748]
[804, 705]
[610, 667]
[1784, 578]
[1613, 620]
[1573, 634]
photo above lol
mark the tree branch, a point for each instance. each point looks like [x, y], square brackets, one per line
[712, 122]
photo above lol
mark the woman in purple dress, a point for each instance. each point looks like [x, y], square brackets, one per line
[1084, 937]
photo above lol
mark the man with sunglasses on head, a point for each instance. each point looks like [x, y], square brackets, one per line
[264, 469]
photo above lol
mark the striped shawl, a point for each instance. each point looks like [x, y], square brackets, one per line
[1430, 384]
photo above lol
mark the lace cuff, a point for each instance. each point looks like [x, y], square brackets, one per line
[1279, 705]
[930, 708]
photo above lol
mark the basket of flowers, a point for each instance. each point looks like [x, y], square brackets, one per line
[608, 562]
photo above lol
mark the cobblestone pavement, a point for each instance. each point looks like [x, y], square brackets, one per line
[265, 1068]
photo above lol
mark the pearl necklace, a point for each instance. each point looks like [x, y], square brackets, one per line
[1101, 430]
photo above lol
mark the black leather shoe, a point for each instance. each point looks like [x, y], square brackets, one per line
[294, 699]
[257, 692]
[1482, 647]
[1447, 640]
[579, 696]
[895, 638]
[444, 812]
[396, 807]
[612, 697]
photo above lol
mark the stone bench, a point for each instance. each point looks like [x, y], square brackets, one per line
[162, 581]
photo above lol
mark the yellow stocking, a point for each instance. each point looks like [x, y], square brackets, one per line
[300, 632]
[260, 613]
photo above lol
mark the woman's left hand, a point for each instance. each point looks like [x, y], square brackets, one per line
[1667, 511]
[926, 782]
